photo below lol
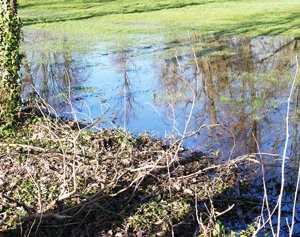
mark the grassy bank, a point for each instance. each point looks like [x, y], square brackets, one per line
[58, 177]
[134, 21]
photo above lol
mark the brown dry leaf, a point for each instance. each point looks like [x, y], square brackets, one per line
[110, 233]
[176, 187]
[140, 233]
[125, 161]
[187, 191]
[160, 234]
[159, 222]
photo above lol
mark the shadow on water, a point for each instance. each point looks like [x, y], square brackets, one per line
[241, 83]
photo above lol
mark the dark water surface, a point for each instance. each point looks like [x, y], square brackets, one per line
[241, 83]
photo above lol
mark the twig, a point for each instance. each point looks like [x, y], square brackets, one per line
[35, 148]
[39, 216]
[149, 166]
[284, 151]
[227, 210]
[297, 186]
[24, 146]
[158, 114]
[19, 203]
[232, 162]
[265, 193]
[4, 218]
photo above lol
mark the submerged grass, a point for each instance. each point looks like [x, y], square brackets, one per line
[137, 21]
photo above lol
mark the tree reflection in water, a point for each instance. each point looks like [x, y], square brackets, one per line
[242, 83]
[53, 76]
[126, 105]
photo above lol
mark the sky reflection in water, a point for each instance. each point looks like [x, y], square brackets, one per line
[239, 82]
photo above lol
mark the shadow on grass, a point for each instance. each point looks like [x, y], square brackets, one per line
[257, 22]
[276, 27]
[43, 4]
[161, 6]
[131, 203]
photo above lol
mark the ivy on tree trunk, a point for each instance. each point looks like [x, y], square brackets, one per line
[10, 61]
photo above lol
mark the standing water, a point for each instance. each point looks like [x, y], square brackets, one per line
[239, 84]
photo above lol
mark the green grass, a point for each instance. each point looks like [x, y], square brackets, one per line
[129, 21]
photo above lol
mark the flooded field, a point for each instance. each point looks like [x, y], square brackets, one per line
[175, 118]
[241, 83]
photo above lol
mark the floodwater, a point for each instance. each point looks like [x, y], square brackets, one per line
[239, 84]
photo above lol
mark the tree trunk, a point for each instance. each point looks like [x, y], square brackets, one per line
[10, 61]
[13, 6]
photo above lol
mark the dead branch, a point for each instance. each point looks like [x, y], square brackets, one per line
[40, 216]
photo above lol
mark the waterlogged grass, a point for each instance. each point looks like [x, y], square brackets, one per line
[87, 89]
[147, 22]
